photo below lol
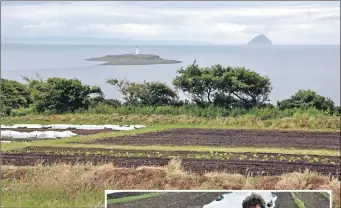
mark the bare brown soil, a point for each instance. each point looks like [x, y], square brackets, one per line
[193, 165]
[218, 137]
[172, 200]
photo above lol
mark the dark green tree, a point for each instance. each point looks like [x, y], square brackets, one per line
[223, 86]
[14, 95]
[146, 93]
[307, 99]
[198, 83]
[250, 88]
[61, 95]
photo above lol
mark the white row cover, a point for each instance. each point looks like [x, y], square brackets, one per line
[36, 134]
[68, 126]
[236, 199]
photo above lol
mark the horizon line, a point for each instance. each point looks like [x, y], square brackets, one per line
[158, 44]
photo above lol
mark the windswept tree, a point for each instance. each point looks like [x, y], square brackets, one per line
[250, 88]
[199, 83]
[14, 95]
[223, 86]
[61, 95]
[146, 93]
[307, 99]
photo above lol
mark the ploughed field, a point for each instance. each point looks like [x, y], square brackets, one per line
[218, 137]
[199, 162]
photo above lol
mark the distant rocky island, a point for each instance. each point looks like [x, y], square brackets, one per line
[133, 59]
[260, 40]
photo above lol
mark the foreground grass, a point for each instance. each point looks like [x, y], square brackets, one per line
[299, 122]
[64, 185]
[132, 198]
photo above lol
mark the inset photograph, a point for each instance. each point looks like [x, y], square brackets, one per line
[218, 199]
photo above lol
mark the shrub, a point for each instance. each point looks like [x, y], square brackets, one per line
[307, 99]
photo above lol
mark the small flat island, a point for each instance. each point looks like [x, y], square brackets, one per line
[133, 59]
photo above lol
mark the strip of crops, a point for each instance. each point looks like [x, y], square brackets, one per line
[226, 156]
[193, 165]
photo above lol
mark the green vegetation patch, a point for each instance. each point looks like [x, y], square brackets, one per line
[247, 156]
[298, 202]
[132, 198]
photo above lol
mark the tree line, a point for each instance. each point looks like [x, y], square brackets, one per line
[225, 87]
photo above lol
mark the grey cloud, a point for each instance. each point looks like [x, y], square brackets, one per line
[268, 20]
[175, 22]
[261, 29]
[220, 4]
[255, 20]
[148, 19]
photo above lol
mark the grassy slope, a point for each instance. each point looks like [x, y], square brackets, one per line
[303, 123]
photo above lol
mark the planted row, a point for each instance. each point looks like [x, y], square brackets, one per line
[181, 155]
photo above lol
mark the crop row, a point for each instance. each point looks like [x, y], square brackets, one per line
[181, 155]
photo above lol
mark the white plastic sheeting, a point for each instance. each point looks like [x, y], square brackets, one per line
[36, 134]
[236, 199]
[70, 126]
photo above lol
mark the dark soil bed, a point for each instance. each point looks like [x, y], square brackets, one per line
[193, 165]
[247, 156]
[218, 137]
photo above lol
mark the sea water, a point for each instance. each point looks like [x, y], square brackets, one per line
[289, 68]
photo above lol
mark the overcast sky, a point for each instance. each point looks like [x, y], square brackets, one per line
[218, 22]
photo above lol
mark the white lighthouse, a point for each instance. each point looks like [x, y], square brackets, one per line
[137, 50]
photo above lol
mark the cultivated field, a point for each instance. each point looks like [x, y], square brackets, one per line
[198, 151]
[255, 163]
